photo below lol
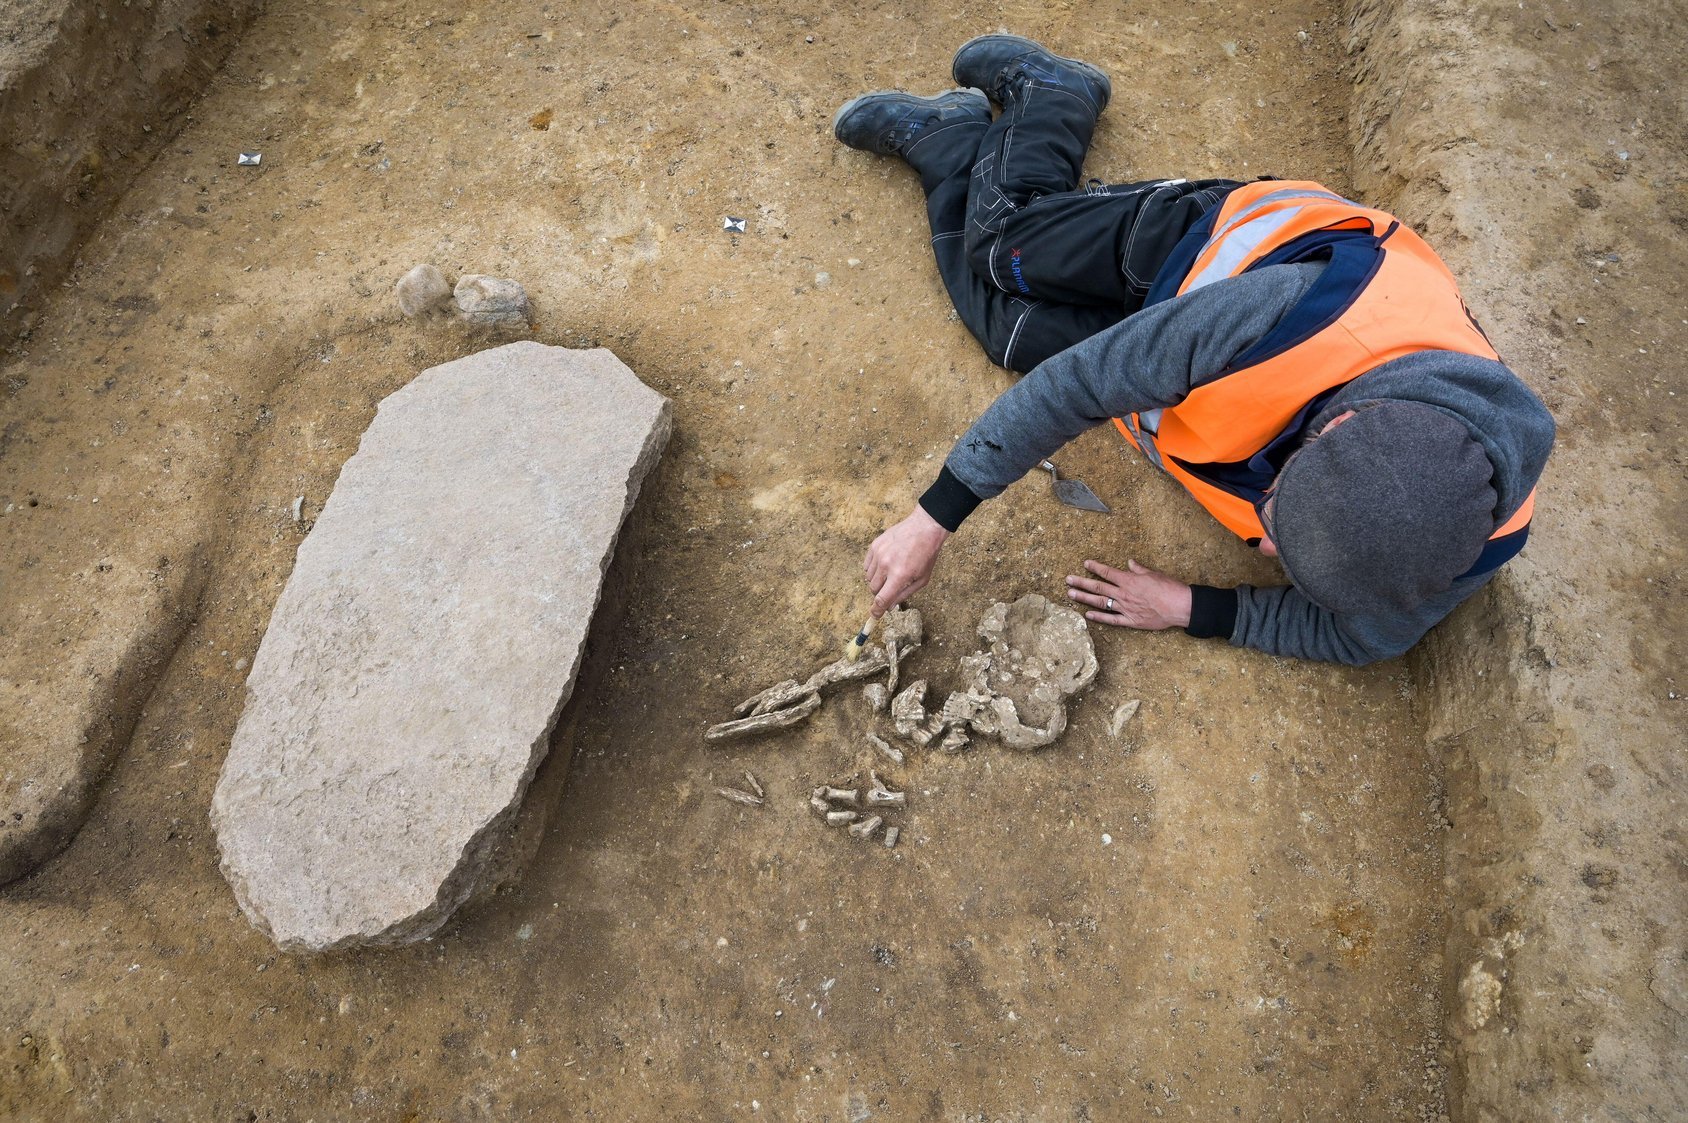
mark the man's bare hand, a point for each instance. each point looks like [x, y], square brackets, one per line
[1137, 597]
[899, 563]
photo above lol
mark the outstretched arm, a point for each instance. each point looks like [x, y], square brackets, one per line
[1278, 620]
[1149, 360]
[1281, 621]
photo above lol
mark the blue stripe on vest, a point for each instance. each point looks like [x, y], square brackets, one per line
[1249, 479]
[1355, 257]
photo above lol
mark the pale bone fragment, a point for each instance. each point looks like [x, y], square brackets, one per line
[954, 741]
[873, 778]
[1123, 713]
[884, 746]
[908, 709]
[774, 695]
[1040, 654]
[962, 707]
[901, 631]
[755, 786]
[975, 671]
[850, 797]
[905, 626]
[1016, 734]
[739, 797]
[879, 797]
[877, 696]
[782, 694]
[298, 508]
[744, 727]
[931, 731]
[891, 834]
[866, 827]
[839, 818]
[818, 805]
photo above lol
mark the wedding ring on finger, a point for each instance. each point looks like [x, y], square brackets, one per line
[1110, 604]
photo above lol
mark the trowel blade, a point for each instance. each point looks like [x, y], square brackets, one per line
[1076, 494]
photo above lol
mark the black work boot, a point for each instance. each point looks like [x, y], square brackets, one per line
[1001, 64]
[891, 122]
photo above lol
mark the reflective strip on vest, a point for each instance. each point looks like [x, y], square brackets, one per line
[1142, 436]
[1246, 233]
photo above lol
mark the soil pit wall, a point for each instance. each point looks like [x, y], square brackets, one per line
[1539, 148]
[89, 92]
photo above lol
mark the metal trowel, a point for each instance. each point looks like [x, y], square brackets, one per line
[1074, 493]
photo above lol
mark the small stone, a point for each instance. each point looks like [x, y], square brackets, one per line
[491, 300]
[822, 280]
[422, 290]
[1480, 993]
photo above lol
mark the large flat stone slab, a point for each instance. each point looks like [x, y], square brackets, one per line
[426, 642]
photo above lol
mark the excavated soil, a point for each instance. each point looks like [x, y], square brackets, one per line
[1234, 909]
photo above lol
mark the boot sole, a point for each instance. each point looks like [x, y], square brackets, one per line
[845, 109]
[1034, 45]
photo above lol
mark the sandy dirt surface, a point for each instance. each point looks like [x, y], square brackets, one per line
[1236, 909]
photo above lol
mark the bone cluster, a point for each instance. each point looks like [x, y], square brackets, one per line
[755, 797]
[856, 810]
[790, 702]
[1037, 655]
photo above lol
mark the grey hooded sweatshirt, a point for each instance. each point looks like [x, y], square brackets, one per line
[1152, 359]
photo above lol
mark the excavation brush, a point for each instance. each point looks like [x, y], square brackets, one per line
[853, 649]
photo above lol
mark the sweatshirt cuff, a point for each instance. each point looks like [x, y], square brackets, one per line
[1213, 612]
[949, 501]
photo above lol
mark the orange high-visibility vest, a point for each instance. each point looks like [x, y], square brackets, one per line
[1383, 294]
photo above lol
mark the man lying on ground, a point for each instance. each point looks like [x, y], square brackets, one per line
[1301, 364]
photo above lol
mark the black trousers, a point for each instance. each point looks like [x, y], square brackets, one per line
[1032, 263]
